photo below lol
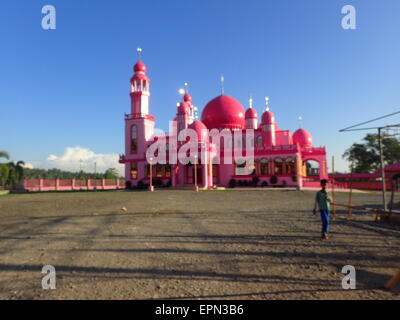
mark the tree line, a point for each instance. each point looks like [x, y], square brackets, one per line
[12, 174]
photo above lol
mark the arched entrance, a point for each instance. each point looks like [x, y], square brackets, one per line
[311, 168]
[190, 174]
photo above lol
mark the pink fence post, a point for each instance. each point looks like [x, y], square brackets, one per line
[73, 184]
[57, 184]
[88, 183]
[117, 183]
[40, 184]
[103, 183]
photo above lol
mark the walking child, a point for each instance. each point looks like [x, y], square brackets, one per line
[323, 201]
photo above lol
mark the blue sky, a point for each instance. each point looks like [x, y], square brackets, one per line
[70, 86]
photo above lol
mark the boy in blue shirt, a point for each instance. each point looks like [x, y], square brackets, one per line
[323, 200]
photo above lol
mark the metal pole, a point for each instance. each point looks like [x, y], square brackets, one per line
[333, 187]
[151, 176]
[382, 169]
[195, 174]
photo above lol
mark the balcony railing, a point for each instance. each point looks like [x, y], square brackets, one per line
[139, 116]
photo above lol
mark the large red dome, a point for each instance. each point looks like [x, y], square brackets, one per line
[303, 138]
[223, 112]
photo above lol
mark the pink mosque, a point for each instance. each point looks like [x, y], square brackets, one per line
[281, 159]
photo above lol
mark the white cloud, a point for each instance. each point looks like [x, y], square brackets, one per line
[28, 165]
[71, 159]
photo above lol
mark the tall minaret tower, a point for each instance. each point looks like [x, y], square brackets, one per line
[139, 124]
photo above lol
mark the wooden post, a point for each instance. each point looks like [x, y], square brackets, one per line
[333, 188]
[391, 200]
[383, 176]
[350, 212]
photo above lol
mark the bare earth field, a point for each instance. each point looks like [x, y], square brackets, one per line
[186, 245]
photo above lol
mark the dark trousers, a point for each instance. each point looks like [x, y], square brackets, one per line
[325, 220]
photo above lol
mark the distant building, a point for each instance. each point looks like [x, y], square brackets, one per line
[281, 158]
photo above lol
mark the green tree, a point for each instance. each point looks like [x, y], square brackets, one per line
[365, 156]
[111, 173]
[4, 154]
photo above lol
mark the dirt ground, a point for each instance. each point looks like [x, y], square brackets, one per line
[186, 245]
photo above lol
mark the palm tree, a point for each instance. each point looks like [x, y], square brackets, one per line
[4, 170]
[16, 173]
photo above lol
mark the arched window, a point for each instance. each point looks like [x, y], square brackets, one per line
[134, 170]
[168, 170]
[134, 139]
[264, 167]
[278, 166]
[259, 142]
[159, 171]
[239, 167]
[290, 166]
[139, 85]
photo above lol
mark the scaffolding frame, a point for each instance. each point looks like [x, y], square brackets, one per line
[380, 129]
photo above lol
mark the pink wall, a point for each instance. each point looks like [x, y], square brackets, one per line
[69, 185]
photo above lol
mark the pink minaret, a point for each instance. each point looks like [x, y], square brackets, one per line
[268, 125]
[140, 90]
[251, 116]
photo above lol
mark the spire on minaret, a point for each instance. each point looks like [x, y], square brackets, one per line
[222, 85]
[186, 87]
[251, 102]
[300, 122]
[139, 52]
[266, 103]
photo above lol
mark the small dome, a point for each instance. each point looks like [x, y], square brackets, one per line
[139, 67]
[223, 112]
[183, 108]
[251, 113]
[201, 130]
[187, 97]
[303, 138]
[268, 118]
